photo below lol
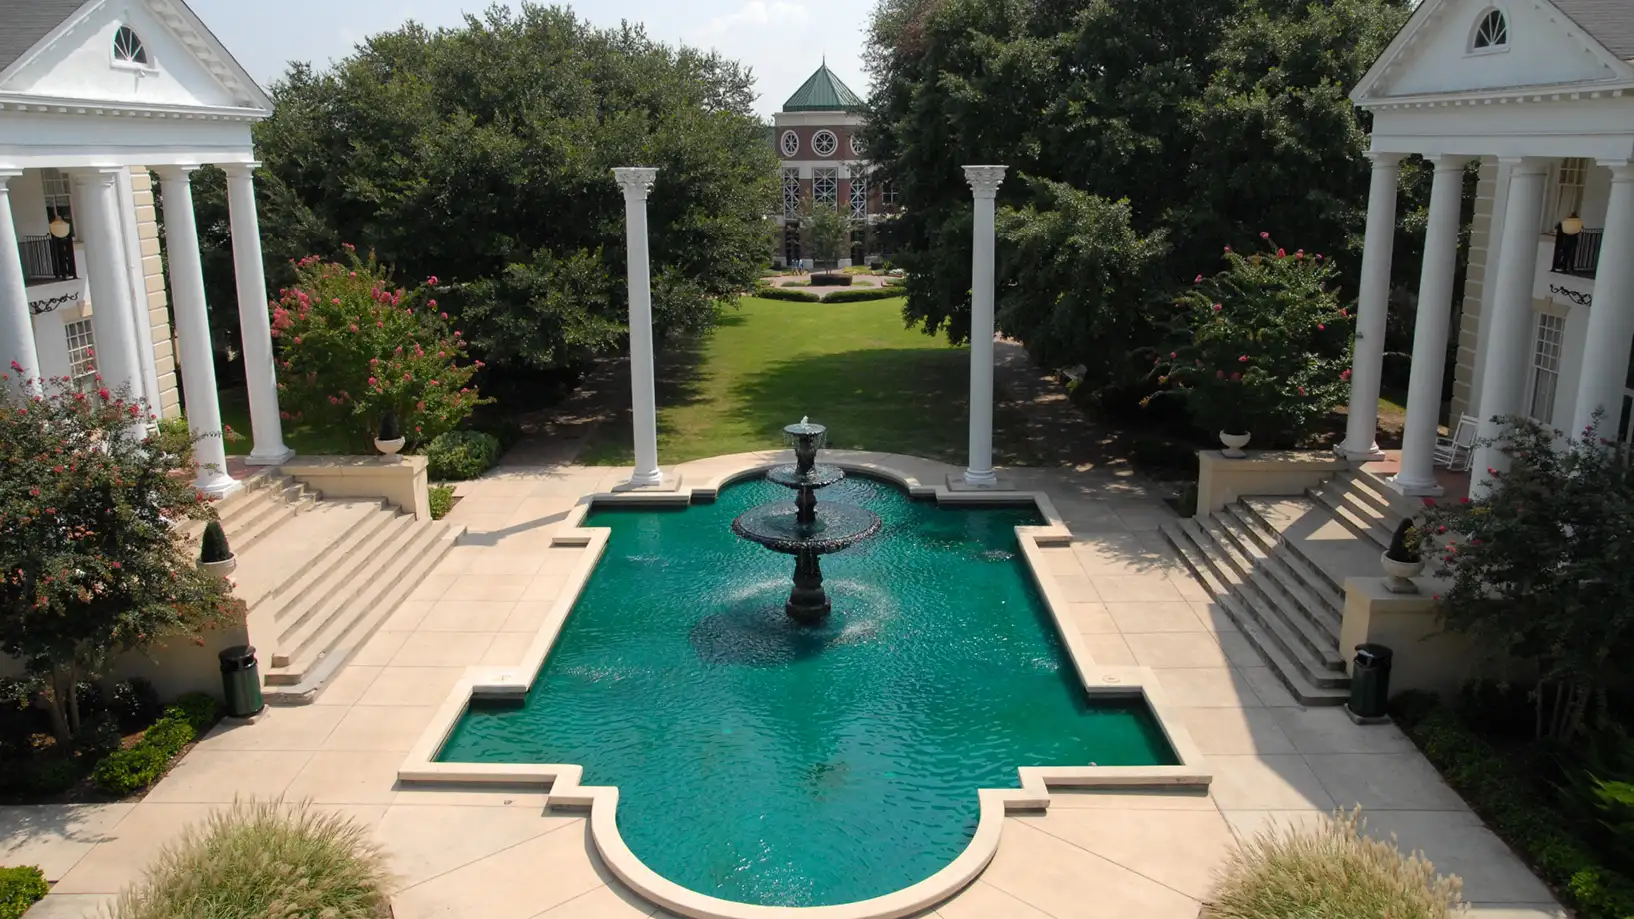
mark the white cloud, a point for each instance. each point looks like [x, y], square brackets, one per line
[778, 13]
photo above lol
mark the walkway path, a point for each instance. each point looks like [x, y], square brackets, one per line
[497, 854]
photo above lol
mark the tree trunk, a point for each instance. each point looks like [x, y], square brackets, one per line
[54, 706]
[73, 699]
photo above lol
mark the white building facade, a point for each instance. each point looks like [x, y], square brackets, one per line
[1541, 94]
[100, 103]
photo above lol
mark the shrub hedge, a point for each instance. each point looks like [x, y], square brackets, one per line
[20, 888]
[456, 456]
[441, 498]
[782, 293]
[830, 280]
[857, 296]
[125, 771]
[1489, 781]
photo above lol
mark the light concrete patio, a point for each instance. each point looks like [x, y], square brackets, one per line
[497, 854]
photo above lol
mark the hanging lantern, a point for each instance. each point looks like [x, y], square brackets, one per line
[59, 227]
[1572, 225]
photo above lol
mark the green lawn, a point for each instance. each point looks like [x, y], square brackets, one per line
[851, 366]
[302, 438]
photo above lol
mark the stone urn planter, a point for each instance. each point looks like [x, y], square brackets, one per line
[215, 556]
[390, 439]
[389, 447]
[1403, 561]
[1234, 444]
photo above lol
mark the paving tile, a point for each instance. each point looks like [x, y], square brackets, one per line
[1326, 729]
[428, 841]
[508, 648]
[531, 798]
[379, 649]
[1076, 588]
[466, 616]
[295, 727]
[432, 586]
[347, 777]
[607, 902]
[1109, 650]
[412, 686]
[1269, 687]
[1266, 782]
[219, 777]
[1176, 649]
[1456, 843]
[1384, 781]
[1176, 848]
[442, 649]
[487, 587]
[407, 615]
[1053, 876]
[54, 837]
[1145, 588]
[73, 906]
[1206, 687]
[984, 901]
[1233, 730]
[1091, 618]
[1515, 911]
[1249, 824]
[1239, 650]
[1213, 616]
[132, 844]
[527, 616]
[544, 588]
[1060, 562]
[1159, 616]
[387, 728]
[490, 887]
[1189, 587]
[348, 686]
[1122, 799]
[490, 561]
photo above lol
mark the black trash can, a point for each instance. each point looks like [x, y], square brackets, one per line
[241, 682]
[1370, 681]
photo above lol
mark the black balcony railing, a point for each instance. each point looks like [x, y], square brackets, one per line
[47, 258]
[1578, 254]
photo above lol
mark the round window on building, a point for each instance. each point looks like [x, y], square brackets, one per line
[790, 143]
[858, 146]
[824, 143]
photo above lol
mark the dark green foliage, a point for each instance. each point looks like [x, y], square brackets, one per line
[1494, 787]
[214, 546]
[482, 154]
[783, 293]
[508, 431]
[97, 737]
[857, 296]
[441, 499]
[460, 455]
[199, 709]
[389, 429]
[125, 771]
[20, 888]
[1404, 543]
[51, 776]
[134, 703]
[831, 280]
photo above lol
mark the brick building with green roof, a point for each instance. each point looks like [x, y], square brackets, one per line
[825, 160]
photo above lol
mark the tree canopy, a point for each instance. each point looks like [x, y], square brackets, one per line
[482, 155]
[1146, 136]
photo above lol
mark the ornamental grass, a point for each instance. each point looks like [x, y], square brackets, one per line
[265, 860]
[1329, 870]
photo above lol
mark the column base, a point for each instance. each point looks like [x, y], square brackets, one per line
[258, 458]
[957, 481]
[986, 478]
[653, 479]
[218, 485]
[1370, 455]
[1430, 489]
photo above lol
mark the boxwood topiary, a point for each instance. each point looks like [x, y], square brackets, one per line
[389, 429]
[124, 771]
[21, 888]
[783, 293]
[460, 455]
[214, 546]
[831, 280]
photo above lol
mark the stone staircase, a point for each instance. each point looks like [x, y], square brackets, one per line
[1277, 566]
[320, 575]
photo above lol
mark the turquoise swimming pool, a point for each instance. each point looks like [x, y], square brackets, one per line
[841, 761]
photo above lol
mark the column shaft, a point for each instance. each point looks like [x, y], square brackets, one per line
[16, 322]
[1503, 376]
[1372, 305]
[193, 333]
[1611, 317]
[112, 321]
[255, 326]
[984, 184]
[1417, 475]
[636, 181]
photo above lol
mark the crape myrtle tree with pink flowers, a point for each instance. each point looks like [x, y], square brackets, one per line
[352, 344]
[92, 563]
[1262, 347]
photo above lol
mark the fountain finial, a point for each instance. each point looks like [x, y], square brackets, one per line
[805, 419]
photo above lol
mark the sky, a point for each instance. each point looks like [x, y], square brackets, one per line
[783, 41]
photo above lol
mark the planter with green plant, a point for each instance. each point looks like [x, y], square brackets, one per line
[215, 555]
[1234, 434]
[390, 439]
[1403, 561]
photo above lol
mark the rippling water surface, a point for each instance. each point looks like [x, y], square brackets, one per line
[764, 762]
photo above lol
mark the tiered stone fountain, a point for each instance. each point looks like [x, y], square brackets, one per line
[799, 529]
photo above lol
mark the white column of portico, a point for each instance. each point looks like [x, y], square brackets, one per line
[1372, 305]
[16, 323]
[1417, 475]
[984, 188]
[1611, 316]
[1504, 364]
[113, 322]
[193, 332]
[636, 182]
[254, 323]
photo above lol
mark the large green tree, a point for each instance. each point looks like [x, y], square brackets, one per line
[481, 155]
[1144, 135]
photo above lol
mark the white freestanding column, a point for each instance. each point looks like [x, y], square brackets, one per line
[984, 187]
[1417, 475]
[1372, 305]
[112, 313]
[636, 182]
[1611, 320]
[255, 326]
[16, 323]
[193, 332]
[1503, 383]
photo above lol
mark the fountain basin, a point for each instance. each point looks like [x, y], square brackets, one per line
[777, 527]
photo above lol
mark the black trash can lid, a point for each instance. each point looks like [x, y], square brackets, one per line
[239, 656]
[1370, 653]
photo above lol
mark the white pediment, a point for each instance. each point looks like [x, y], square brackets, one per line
[1436, 53]
[186, 67]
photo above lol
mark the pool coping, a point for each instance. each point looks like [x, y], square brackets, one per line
[566, 790]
